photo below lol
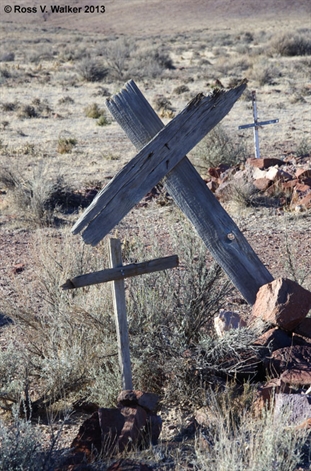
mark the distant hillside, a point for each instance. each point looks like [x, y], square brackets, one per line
[148, 17]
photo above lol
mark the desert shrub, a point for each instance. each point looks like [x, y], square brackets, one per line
[93, 111]
[65, 338]
[91, 70]
[5, 73]
[27, 111]
[181, 89]
[22, 447]
[42, 54]
[219, 147]
[303, 148]
[66, 100]
[65, 143]
[103, 120]
[240, 441]
[291, 44]
[233, 65]
[169, 313]
[8, 106]
[125, 60]
[264, 74]
[37, 197]
[7, 57]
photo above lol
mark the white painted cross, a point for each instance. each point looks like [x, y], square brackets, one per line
[256, 124]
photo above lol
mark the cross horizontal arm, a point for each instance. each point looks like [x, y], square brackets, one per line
[119, 273]
[259, 123]
[153, 162]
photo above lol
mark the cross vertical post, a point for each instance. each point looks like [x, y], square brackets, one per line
[119, 304]
[256, 136]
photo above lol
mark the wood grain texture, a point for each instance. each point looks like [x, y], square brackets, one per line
[216, 228]
[119, 304]
[155, 160]
[120, 273]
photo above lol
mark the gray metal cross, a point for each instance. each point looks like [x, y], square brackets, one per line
[256, 124]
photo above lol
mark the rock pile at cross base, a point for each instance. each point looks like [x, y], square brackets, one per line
[133, 423]
[288, 181]
[285, 358]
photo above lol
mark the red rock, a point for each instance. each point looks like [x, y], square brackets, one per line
[289, 184]
[302, 173]
[88, 440]
[304, 328]
[111, 423]
[266, 393]
[273, 189]
[292, 364]
[302, 188]
[294, 409]
[134, 423]
[274, 339]
[262, 183]
[128, 465]
[148, 401]
[277, 174]
[265, 162]
[296, 377]
[217, 171]
[306, 201]
[283, 303]
[212, 185]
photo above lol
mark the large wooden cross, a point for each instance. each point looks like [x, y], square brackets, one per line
[162, 156]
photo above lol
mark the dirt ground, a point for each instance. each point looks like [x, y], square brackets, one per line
[185, 29]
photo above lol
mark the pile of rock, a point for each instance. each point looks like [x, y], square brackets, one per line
[285, 348]
[133, 423]
[289, 179]
[284, 304]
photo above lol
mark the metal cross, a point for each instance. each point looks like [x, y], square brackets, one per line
[256, 124]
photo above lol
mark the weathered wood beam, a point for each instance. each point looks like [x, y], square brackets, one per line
[155, 160]
[119, 304]
[122, 272]
[216, 228]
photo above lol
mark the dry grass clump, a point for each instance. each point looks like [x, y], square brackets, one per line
[9, 106]
[264, 73]
[292, 44]
[91, 70]
[93, 111]
[34, 110]
[181, 89]
[38, 197]
[66, 143]
[22, 446]
[241, 442]
[66, 100]
[7, 57]
[218, 147]
[65, 339]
